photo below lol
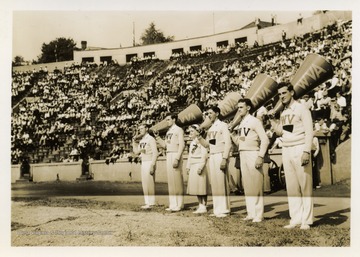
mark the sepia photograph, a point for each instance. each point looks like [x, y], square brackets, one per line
[178, 128]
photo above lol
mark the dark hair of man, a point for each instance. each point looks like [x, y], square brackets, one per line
[248, 102]
[216, 109]
[285, 84]
[173, 116]
[289, 87]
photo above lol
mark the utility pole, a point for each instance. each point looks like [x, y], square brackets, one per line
[133, 33]
[56, 53]
[213, 23]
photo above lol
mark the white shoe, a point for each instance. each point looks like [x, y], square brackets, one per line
[168, 209]
[197, 210]
[145, 206]
[176, 209]
[256, 220]
[203, 209]
[290, 226]
[200, 211]
[247, 218]
[222, 215]
[305, 227]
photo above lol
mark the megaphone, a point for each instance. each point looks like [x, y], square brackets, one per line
[314, 71]
[192, 114]
[261, 91]
[160, 127]
[227, 106]
[276, 109]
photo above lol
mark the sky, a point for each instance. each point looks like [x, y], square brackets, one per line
[112, 24]
[112, 29]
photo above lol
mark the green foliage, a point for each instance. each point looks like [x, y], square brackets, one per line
[18, 60]
[58, 50]
[154, 36]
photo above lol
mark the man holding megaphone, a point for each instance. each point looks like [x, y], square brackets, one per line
[296, 129]
[252, 143]
[219, 142]
[174, 144]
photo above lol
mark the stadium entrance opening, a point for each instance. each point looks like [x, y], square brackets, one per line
[87, 59]
[105, 59]
[130, 56]
[240, 40]
[224, 43]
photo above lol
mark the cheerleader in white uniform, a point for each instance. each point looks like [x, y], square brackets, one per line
[174, 144]
[198, 180]
[149, 153]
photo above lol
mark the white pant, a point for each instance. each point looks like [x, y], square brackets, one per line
[253, 180]
[148, 183]
[219, 185]
[298, 185]
[267, 184]
[175, 182]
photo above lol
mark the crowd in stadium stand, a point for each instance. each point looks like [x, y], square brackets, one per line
[239, 48]
[85, 108]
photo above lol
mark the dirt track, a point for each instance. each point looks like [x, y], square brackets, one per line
[108, 214]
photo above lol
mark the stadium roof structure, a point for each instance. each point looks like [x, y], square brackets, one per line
[263, 24]
[91, 48]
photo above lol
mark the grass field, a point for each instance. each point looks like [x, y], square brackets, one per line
[110, 224]
[87, 221]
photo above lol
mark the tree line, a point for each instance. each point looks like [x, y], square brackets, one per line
[61, 49]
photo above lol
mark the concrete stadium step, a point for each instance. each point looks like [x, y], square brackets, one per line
[24, 179]
[84, 177]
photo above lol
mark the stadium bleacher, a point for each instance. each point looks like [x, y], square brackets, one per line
[101, 104]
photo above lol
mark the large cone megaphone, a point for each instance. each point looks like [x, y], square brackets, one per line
[188, 116]
[227, 106]
[160, 127]
[263, 88]
[314, 71]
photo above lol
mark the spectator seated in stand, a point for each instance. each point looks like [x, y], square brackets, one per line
[115, 153]
[321, 126]
[74, 155]
[69, 97]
